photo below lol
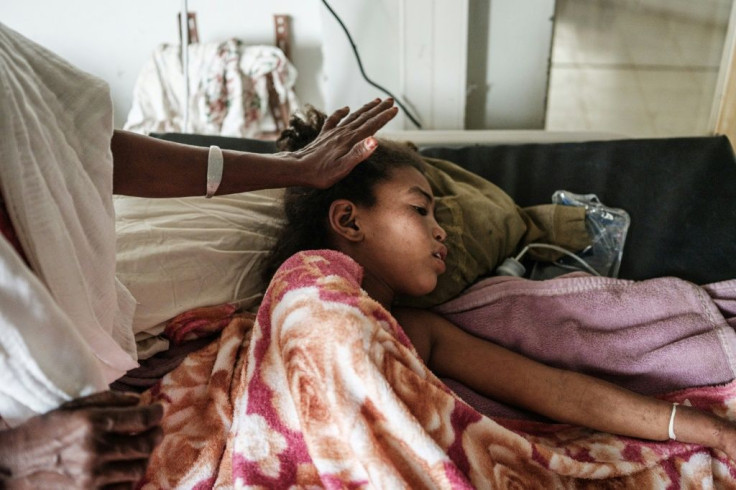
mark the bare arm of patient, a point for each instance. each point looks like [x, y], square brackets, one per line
[96, 441]
[148, 167]
[561, 395]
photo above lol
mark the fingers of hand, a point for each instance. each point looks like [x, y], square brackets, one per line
[123, 458]
[359, 125]
[369, 124]
[117, 447]
[335, 118]
[372, 112]
[78, 443]
[117, 473]
[120, 486]
[366, 107]
[128, 420]
[103, 399]
[112, 458]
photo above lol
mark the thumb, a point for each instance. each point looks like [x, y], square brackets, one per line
[344, 165]
[360, 151]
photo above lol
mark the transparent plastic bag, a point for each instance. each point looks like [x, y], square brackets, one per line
[607, 227]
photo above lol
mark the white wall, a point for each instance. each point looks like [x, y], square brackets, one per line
[712, 11]
[506, 56]
[519, 48]
[509, 45]
[374, 28]
[415, 49]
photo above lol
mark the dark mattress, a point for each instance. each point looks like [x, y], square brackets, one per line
[679, 192]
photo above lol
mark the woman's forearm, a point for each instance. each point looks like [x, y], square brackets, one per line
[150, 167]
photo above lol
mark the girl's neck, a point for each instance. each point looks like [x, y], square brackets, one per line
[378, 290]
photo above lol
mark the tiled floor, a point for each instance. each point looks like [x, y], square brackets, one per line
[618, 66]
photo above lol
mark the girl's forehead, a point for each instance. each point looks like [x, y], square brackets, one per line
[408, 178]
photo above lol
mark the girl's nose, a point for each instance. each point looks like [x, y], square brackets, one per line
[440, 234]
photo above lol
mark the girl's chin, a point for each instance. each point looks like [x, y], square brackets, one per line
[424, 289]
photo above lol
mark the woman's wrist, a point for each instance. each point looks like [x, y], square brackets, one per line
[293, 172]
[243, 172]
[283, 169]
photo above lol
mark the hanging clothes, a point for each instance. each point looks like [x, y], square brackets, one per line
[234, 90]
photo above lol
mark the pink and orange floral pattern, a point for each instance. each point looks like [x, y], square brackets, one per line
[324, 390]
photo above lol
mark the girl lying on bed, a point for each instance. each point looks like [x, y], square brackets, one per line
[381, 218]
[324, 388]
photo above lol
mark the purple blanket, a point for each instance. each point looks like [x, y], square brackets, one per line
[653, 336]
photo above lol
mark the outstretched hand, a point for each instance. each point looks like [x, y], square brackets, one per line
[727, 438]
[340, 146]
[103, 440]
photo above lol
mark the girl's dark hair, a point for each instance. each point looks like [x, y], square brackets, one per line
[306, 208]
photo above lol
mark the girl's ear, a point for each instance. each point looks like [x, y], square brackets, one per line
[342, 217]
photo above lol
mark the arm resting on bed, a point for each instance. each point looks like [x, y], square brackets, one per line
[565, 396]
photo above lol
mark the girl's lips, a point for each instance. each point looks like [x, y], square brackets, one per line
[440, 265]
[441, 253]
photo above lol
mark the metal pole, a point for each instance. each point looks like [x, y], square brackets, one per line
[184, 21]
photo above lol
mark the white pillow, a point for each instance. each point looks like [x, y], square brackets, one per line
[176, 254]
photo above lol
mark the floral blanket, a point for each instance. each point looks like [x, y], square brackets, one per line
[324, 389]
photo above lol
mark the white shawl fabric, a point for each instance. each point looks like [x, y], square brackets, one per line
[65, 324]
[228, 90]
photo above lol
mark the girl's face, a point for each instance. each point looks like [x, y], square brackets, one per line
[402, 250]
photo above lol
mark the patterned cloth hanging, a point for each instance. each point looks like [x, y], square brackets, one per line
[234, 90]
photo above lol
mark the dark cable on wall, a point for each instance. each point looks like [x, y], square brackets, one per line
[360, 66]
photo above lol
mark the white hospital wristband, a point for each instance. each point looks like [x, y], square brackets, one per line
[214, 170]
[671, 427]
